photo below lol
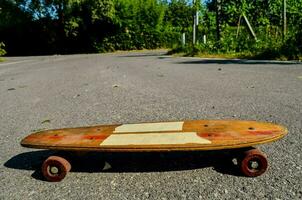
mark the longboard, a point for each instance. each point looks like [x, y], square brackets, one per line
[196, 135]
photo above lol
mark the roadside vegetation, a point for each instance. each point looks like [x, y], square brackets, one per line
[2, 51]
[229, 28]
[248, 29]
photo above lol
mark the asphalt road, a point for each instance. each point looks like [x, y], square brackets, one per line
[79, 90]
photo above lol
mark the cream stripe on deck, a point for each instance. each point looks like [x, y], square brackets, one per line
[154, 139]
[149, 127]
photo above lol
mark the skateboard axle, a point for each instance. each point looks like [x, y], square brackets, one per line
[254, 164]
[54, 170]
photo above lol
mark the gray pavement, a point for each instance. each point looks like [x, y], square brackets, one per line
[80, 90]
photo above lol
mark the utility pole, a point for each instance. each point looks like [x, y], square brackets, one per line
[194, 30]
[195, 19]
[218, 19]
[183, 39]
[284, 19]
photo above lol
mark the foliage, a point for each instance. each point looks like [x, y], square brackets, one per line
[265, 18]
[138, 26]
[2, 51]
[179, 14]
[77, 26]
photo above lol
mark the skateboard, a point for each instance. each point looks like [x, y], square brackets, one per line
[194, 135]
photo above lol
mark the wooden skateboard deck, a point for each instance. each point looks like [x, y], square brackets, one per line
[163, 136]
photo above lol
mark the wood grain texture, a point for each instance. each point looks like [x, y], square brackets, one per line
[222, 134]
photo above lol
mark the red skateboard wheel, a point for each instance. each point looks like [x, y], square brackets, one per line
[55, 168]
[254, 163]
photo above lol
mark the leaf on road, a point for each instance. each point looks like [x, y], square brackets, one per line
[46, 121]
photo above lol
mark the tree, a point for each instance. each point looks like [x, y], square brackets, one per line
[179, 14]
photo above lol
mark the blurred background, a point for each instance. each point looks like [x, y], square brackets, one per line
[241, 28]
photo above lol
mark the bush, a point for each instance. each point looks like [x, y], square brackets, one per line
[2, 51]
[269, 44]
[136, 40]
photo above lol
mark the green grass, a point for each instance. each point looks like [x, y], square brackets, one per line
[266, 55]
[217, 55]
[223, 55]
